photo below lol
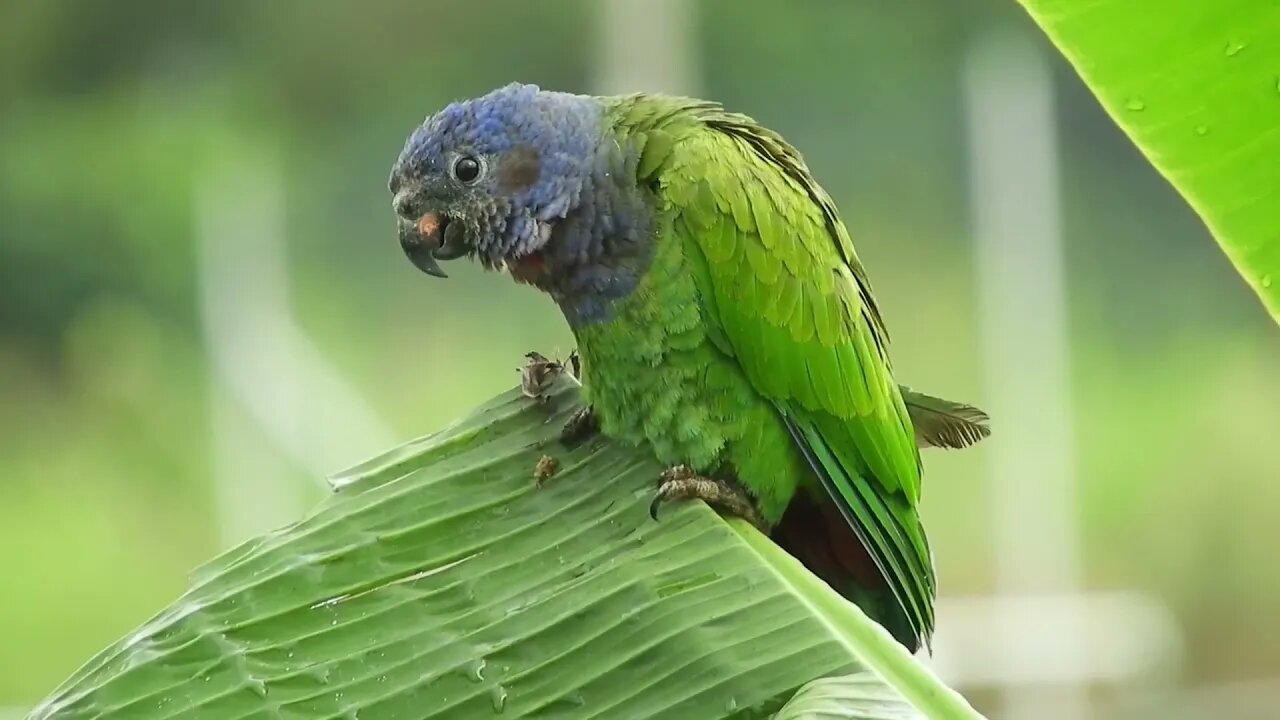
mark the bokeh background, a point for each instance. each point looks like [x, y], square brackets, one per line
[203, 310]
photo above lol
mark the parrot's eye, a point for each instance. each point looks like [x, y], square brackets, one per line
[466, 169]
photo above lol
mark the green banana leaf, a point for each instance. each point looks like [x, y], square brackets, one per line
[443, 581]
[861, 696]
[1196, 85]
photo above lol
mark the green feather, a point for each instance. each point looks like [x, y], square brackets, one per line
[657, 146]
[873, 523]
[785, 372]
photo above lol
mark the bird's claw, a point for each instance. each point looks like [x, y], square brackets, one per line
[581, 425]
[653, 506]
[684, 483]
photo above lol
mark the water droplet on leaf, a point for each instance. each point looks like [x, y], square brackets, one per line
[1266, 281]
[1135, 105]
[1202, 130]
[1233, 48]
[319, 673]
[498, 696]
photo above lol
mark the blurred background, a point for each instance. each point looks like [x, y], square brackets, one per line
[204, 311]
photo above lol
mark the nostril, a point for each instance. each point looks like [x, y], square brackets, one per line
[406, 206]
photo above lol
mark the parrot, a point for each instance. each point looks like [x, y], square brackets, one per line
[722, 318]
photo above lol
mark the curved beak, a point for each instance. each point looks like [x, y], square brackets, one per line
[424, 243]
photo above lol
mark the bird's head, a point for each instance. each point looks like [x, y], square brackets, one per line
[490, 177]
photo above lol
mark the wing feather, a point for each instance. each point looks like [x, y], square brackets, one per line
[794, 307]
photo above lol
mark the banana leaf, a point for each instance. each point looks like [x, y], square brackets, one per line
[489, 570]
[1196, 86]
[861, 696]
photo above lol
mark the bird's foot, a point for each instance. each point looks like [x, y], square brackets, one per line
[684, 483]
[581, 425]
[537, 375]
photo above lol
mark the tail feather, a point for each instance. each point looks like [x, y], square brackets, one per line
[943, 423]
[814, 532]
[898, 553]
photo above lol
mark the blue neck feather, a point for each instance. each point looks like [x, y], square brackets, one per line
[600, 250]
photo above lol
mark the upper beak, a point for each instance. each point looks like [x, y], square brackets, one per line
[433, 237]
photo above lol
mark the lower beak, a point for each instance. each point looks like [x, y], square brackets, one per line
[422, 243]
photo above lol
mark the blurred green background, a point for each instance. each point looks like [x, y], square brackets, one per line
[168, 169]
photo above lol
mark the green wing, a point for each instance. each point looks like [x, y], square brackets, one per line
[795, 309]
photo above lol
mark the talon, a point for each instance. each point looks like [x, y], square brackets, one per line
[581, 425]
[653, 506]
[574, 363]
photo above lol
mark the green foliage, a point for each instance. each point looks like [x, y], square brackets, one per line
[107, 460]
[1196, 85]
[441, 580]
[860, 696]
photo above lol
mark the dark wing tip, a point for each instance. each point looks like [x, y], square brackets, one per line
[910, 580]
[943, 423]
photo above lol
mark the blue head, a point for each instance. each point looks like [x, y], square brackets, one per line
[491, 177]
